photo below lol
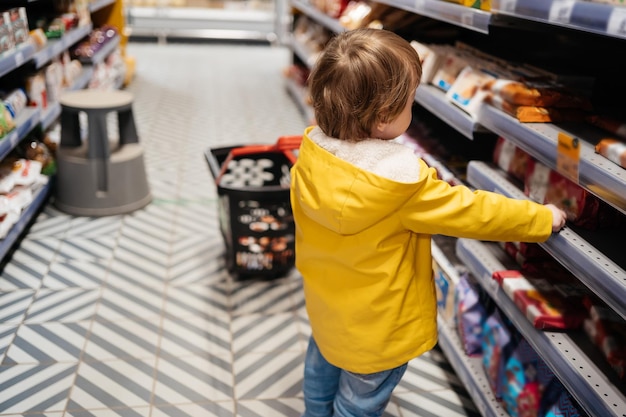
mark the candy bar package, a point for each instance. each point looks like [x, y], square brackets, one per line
[511, 158]
[496, 345]
[470, 314]
[612, 149]
[545, 305]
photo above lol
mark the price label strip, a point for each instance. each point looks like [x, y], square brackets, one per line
[505, 6]
[568, 156]
[561, 11]
[617, 22]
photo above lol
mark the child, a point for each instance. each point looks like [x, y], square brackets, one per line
[365, 208]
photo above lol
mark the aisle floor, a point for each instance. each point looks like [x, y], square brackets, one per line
[135, 315]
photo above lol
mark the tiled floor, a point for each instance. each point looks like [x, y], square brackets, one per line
[135, 315]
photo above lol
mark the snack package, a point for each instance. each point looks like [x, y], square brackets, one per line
[526, 377]
[535, 114]
[611, 124]
[36, 90]
[547, 307]
[469, 314]
[536, 95]
[355, 15]
[450, 67]
[545, 185]
[431, 57]
[7, 123]
[467, 90]
[613, 150]
[524, 253]
[511, 158]
[19, 24]
[496, 348]
[6, 34]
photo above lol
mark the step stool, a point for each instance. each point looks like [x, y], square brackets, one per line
[98, 174]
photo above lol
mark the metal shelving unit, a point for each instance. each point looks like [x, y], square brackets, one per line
[581, 375]
[234, 23]
[602, 275]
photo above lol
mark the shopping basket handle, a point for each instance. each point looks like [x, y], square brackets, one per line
[284, 144]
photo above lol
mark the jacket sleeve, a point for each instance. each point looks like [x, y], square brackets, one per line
[436, 207]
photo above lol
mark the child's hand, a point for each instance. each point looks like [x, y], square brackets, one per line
[558, 217]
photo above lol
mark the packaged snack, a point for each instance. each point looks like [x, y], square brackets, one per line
[19, 24]
[6, 35]
[467, 90]
[496, 348]
[511, 158]
[545, 185]
[451, 66]
[7, 123]
[535, 114]
[611, 124]
[469, 314]
[526, 377]
[536, 95]
[431, 57]
[613, 150]
[36, 90]
[15, 102]
[545, 305]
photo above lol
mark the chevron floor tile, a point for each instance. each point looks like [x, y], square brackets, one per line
[136, 314]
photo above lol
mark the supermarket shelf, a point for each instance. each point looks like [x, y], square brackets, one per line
[596, 173]
[25, 122]
[435, 101]
[201, 23]
[315, 14]
[56, 47]
[27, 215]
[599, 273]
[602, 19]
[96, 5]
[15, 58]
[470, 371]
[298, 93]
[578, 373]
[303, 52]
[467, 17]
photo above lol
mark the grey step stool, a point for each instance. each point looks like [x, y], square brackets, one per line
[99, 175]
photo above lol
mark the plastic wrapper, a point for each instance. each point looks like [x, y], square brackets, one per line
[511, 158]
[496, 348]
[535, 94]
[6, 35]
[535, 114]
[19, 24]
[469, 314]
[546, 306]
[612, 149]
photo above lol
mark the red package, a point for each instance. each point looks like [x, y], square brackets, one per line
[523, 252]
[544, 305]
[510, 158]
[545, 185]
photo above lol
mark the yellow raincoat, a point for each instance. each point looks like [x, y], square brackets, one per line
[363, 245]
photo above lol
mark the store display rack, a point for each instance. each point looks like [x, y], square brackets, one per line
[203, 23]
[570, 363]
[598, 272]
[27, 55]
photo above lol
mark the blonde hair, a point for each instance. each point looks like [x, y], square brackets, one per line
[363, 77]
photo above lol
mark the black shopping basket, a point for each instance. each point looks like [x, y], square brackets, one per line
[254, 207]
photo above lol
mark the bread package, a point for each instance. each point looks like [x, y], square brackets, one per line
[535, 114]
[529, 94]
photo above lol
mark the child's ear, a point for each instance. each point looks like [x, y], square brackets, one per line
[379, 128]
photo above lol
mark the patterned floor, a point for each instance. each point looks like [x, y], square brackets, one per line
[134, 315]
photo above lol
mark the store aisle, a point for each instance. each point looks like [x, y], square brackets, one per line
[134, 315]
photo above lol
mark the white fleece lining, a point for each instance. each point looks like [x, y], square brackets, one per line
[385, 158]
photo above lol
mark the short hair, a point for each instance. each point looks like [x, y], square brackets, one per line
[363, 77]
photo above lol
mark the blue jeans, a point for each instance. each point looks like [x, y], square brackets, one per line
[332, 392]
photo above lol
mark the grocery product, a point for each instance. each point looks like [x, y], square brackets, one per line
[612, 149]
